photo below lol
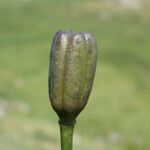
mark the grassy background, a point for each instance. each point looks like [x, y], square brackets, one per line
[117, 116]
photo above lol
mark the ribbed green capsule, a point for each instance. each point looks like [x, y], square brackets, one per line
[71, 73]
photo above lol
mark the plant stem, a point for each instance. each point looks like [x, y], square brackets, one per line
[66, 133]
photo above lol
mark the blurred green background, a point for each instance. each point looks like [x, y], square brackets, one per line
[117, 116]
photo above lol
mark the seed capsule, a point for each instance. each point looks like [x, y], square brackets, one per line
[71, 73]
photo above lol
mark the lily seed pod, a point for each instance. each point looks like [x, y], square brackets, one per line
[72, 68]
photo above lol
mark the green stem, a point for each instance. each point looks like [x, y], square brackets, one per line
[66, 132]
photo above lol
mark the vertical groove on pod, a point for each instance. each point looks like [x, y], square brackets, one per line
[64, 69]
[83, 67]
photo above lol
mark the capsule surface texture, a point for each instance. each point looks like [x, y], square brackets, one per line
[72, 68]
